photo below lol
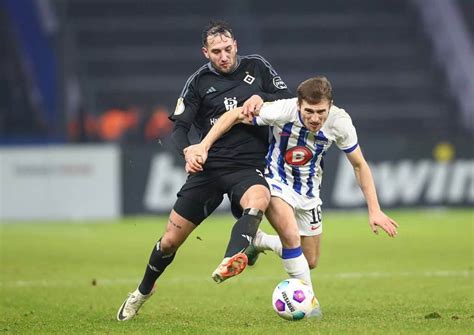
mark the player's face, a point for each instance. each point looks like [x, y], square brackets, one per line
[314, 115]
[221, 50]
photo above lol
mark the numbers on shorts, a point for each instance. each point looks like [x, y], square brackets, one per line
[317, 215]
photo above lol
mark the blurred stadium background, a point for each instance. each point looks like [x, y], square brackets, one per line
[87, 85]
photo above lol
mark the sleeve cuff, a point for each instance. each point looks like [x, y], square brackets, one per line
[349, 150]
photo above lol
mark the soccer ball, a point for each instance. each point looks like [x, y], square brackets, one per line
[293, 299]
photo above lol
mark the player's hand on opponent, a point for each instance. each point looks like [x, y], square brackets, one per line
[195, 156]
[194, 164]
[380, 219]
[252, 106]
[189, 169]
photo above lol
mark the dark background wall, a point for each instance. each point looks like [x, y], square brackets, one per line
[112, 70]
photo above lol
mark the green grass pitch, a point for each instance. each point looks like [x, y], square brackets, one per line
[71, 278]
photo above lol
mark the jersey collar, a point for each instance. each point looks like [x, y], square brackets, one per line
[213, 70]
[301, 120]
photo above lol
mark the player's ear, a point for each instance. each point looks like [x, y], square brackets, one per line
[205, 52]
[235, 45]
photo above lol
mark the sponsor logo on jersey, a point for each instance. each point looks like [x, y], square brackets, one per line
[299, 155]
[249, 79]
[230, 103]
[213, 120]
[280, 84]
[179, 106]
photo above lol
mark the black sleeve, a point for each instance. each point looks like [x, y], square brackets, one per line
[179, 136]
[188, 104]
[274, 88]
[184, 114]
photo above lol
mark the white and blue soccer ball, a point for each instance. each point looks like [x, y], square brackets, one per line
[293, 299]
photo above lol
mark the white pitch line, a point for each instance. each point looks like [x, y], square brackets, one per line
[248, 278]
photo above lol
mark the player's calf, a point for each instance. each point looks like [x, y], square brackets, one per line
[244, 231]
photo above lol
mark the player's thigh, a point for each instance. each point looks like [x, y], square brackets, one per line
[311, 249]
[282, 218]
[247, 188]
[199, 197]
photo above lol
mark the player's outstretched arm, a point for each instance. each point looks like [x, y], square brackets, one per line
[223, 125]
[377, 218]
[196, 155]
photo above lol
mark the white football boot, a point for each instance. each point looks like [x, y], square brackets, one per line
[252, 251]
[316, 313]
[132, 304]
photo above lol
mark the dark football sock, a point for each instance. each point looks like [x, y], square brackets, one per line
[156, 266]
[244, 231]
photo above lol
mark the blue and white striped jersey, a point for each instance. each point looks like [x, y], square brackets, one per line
[295, 156]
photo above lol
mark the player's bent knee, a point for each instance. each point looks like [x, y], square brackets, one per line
[312, 262]
[257, 196]
[263, 203]
[289, 240]
[168, 245]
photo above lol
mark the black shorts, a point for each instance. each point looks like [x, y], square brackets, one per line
[203, 192]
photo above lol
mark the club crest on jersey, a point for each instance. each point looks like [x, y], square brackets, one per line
[299, 155]
[230, 103]
[280, 84]
[249, 79]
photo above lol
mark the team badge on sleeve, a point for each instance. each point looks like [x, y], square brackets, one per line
[280, 84]
[179, 106]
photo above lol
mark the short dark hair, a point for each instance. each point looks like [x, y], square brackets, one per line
[314, 90]
[216, 28]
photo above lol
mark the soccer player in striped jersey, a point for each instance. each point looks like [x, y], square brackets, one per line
[303, 130]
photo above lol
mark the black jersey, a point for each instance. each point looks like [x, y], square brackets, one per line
[208, 94]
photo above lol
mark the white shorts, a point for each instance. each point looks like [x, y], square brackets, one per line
[307, 210]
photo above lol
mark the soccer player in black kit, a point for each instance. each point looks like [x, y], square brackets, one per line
[235, 163]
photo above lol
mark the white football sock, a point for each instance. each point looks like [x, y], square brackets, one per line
[296, 266]
[263, 241]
